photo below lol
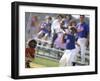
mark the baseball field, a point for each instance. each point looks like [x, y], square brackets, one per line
[43, 62]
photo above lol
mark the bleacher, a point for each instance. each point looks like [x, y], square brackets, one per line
[44, 51]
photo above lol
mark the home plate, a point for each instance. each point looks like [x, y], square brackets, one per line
[34, 65]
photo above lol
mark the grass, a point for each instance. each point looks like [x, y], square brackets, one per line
[45, 62]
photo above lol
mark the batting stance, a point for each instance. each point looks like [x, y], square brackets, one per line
[68, 58]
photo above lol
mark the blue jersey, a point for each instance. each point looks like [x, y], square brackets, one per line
[84, 33]
[46, 27]
[70, 41]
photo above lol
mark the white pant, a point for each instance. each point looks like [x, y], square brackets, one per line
[41, 32]
[82, 42]
[68, 57]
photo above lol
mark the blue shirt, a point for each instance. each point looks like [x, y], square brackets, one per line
[84, 33]
[70, 41]
[46, 27]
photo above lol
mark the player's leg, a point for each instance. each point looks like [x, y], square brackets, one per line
[46, 36]
[77, 50]
[68, 63]
[73, 57]
[27, 62]
[82, 43]
[63, 60]
[39, 35]
[83, 50]
[53, 39]
[68, 55]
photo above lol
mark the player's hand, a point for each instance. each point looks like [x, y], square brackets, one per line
[77, 44]
[80, 29]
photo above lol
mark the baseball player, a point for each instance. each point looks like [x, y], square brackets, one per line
[83, 32]
[45, 28]
[68, 59]
[30, 52]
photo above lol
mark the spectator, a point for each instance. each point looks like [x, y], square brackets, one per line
[32, 27]
[56, 28]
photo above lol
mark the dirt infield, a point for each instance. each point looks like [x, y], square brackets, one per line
[34, 65]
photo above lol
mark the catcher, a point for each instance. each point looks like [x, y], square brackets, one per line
[30, 52]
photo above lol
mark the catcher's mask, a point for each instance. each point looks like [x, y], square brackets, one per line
[32, 43]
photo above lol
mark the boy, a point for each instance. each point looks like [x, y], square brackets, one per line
[30, 52]
[68, 59]
[45, 28]
[83, 36]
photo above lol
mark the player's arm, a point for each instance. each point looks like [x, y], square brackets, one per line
[79, 29]
[42, 25]
[77, 44]
[64, 38]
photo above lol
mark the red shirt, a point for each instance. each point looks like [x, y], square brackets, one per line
[29, 52]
